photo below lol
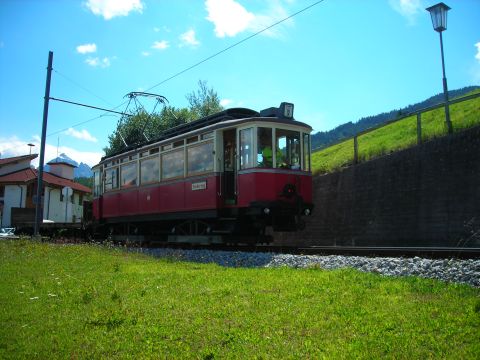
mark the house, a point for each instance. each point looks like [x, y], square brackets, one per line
[62, 197]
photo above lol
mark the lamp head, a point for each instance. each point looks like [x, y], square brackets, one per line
[438, 13]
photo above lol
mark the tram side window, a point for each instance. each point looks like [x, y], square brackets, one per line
[149, 170]
[200, 158]
[306, 152]
[264, 147]
[97, 185]
[287, 142]
[172, 164]
[246, 148]
[129, 174]
[111, 179]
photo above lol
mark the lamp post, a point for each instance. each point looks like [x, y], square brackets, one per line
[438, 13]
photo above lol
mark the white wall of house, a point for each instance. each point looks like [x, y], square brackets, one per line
[61, 211]
[15, 196]
[53, 208]
[62, 170]
[10, 168]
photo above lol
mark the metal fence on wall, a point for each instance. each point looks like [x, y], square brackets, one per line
[419, 132]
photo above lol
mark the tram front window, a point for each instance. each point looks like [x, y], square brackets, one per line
[288, 151]
[264, 147]
[246, 148]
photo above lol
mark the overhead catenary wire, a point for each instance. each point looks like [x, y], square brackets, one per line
[90, 106]
[87, 121]
[82, 87]
[235, 44]
[196, 64]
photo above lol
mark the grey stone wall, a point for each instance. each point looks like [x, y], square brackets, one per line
[428, 195]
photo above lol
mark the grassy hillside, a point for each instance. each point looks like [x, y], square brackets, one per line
[323, 139]
[86, 302]
[396, 136]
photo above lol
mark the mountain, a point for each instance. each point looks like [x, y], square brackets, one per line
[82, 170]
[323, 139]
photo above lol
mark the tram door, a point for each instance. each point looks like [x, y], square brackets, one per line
[229, 166]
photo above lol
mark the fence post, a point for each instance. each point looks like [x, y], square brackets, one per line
[355, 150]
[419, 128]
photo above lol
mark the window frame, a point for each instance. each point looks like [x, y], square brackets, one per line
[162, 164]
[122, 167]
[253, 144]
[158, 162]
[105, 176]
[196, 145]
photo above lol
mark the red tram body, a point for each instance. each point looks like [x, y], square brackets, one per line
[231, 174]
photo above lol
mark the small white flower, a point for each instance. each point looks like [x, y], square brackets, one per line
[34, 298]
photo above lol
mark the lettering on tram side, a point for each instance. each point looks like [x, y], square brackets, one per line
[202, 185]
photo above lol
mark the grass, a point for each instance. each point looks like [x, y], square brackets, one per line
[397, 136]
[88, 302]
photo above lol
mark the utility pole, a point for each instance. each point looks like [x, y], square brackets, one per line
[38, 205]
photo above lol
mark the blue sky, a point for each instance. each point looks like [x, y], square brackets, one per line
[337, 61]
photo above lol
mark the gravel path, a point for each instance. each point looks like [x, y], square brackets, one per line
[450, 270]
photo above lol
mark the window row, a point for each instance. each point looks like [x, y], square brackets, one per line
[167, 147]
[199, 160]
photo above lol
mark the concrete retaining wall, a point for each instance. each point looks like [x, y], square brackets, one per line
[428, 195]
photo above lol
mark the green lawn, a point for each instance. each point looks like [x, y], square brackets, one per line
[89, 302]
[396, 136]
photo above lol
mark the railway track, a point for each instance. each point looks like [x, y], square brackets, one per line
[368, 251]
[425, 252]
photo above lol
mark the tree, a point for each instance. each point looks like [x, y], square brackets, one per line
[141, 127]
[204, 102]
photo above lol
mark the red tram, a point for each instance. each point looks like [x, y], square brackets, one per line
[229, 175]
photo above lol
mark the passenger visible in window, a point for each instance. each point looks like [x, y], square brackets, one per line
[265, 152]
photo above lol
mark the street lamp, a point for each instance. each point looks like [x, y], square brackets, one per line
[438, 13]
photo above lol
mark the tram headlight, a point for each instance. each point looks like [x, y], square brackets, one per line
[307, 212]
[266, 211]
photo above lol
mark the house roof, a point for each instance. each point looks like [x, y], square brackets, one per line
[28, 175]
[17, 159]
[61, 163]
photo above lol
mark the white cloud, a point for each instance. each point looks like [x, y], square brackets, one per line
[231, 18]
[225, 102]
[275, 13]
[83, 134]
[145, 53]
[228, 16]
[188, 39]
[160, 45]
[477, 56]
[156, 29]
[13, 146]
[97, 62]
[409, 9]
[87, 48]
[112, 8]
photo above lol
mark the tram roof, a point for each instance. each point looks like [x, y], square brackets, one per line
[220, 117]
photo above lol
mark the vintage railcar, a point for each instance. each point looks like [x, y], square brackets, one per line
[230, 175]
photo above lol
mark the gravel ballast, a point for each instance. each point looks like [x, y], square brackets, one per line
[449, 270]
